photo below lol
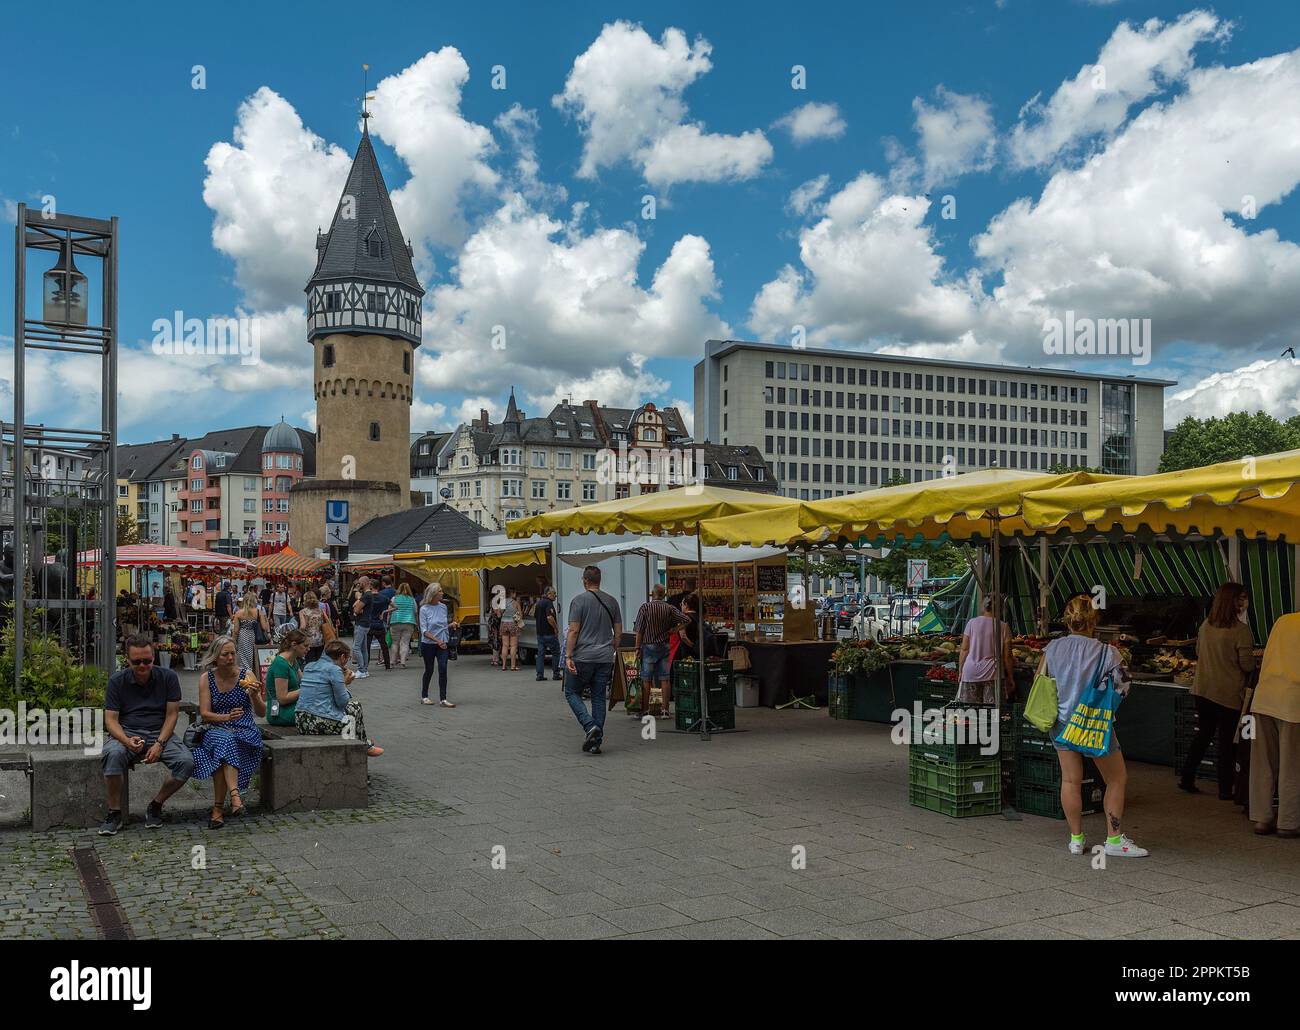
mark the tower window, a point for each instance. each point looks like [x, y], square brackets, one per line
[327, 359]
[374, 248]
[374, 430]
[331, 301]
[406, 362]
[372, 301]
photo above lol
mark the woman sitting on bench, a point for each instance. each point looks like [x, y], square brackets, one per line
[324, 704]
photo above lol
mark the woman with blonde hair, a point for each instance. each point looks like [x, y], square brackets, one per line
[230, 750]
[243, 627]
[1073, 661]
[401, 623]
[511, 619]
[311, 620]
[435, 629]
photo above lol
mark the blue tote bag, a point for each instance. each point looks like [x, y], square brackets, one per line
[1089, 727]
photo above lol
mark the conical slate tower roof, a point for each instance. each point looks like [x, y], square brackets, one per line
[347, 251]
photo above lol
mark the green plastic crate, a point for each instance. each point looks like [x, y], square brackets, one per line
[955, 807]
[722, 719]
[717, 678]
[963, 778]
[1037, 799]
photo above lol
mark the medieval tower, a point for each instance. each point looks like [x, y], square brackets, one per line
[363, 323]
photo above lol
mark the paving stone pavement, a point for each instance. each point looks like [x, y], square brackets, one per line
[665, 838]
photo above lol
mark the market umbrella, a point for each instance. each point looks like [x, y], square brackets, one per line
[158, 556]
[1252, 495]
[288, 562]
[676, 511]
[955, 506]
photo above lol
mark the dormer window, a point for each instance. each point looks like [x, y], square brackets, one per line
[374, 243]
[733, 472]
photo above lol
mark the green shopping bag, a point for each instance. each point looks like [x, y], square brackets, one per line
[1043, 703]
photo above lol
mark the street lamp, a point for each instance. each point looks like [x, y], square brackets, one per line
[65, 291]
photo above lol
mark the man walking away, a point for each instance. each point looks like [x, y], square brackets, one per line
[548, 635]
[222, 611]
[654, 625]
[379, 603]
[595, 628]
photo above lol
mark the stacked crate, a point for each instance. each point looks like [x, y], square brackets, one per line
[1038, 773]
[955, 779]
[839, 695]
[1185, 725]
[720, 685]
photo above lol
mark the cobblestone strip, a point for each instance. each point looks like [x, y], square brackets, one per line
[182, 881]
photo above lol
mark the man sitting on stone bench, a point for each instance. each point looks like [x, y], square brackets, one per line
[141, 706]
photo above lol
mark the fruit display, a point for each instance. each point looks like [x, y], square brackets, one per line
[1170, 662]
[942, 672]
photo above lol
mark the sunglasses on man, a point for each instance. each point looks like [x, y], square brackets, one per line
[141, 661]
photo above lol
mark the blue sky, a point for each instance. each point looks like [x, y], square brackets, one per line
[586, 312]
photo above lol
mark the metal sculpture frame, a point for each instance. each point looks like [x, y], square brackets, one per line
[49, 590]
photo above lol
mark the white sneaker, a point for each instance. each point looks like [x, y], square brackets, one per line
[1077, 847]
[1126, 848]
[427, 701]
[361, 676]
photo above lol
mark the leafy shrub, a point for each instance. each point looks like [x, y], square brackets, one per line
[52, 676]
[859, 657]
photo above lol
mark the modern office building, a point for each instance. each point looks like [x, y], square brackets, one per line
[833, 422]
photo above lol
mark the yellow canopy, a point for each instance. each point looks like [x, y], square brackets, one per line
[665, 512]
[469, 561]
[1253, 495]
[959, 506]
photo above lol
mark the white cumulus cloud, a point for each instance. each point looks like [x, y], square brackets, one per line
[957, 135]
[1134, 64]
[625, 92]
[813, 121]
[1271, 385]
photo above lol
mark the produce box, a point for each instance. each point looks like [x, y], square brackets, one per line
[964, 777]
[957, 789]
[717, 679]
[1037, 799]
[723, 719]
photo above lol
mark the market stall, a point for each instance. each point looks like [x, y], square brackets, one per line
[183, 639]
[666, 512]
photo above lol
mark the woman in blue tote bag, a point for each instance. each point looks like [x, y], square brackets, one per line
[1076, 662]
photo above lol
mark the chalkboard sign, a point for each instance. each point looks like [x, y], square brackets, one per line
[771, 579]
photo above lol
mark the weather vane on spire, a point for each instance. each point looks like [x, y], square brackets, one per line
[366, 95]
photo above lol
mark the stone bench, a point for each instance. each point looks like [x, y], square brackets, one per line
[68, 790]
[308, 773]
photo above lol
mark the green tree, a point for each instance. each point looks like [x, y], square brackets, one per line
[945, 560]
[1197, 442]
[1060, 468]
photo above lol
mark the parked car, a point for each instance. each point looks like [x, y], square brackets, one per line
[870, 623]
[844, 613]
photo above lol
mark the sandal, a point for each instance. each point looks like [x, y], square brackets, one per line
[237, 812]
[216, 821]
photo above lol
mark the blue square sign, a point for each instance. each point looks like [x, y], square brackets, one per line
[336, 511]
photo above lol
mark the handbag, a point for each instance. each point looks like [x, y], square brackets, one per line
[194, 733]
[1088, 728]
[739, 657]
[1043, 702]
[259, 634]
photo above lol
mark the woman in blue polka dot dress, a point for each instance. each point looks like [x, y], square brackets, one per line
[230, 751]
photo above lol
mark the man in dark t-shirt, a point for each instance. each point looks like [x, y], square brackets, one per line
[141, 705]
[548, 635]
[222, 609]
[379, 602]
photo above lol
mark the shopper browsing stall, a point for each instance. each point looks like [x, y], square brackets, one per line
[977, 662]
[1077, 663]
[1225, 658]
[1275, 751]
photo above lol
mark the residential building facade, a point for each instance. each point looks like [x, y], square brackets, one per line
[581, 454]
[834, 422]
[216, 492]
